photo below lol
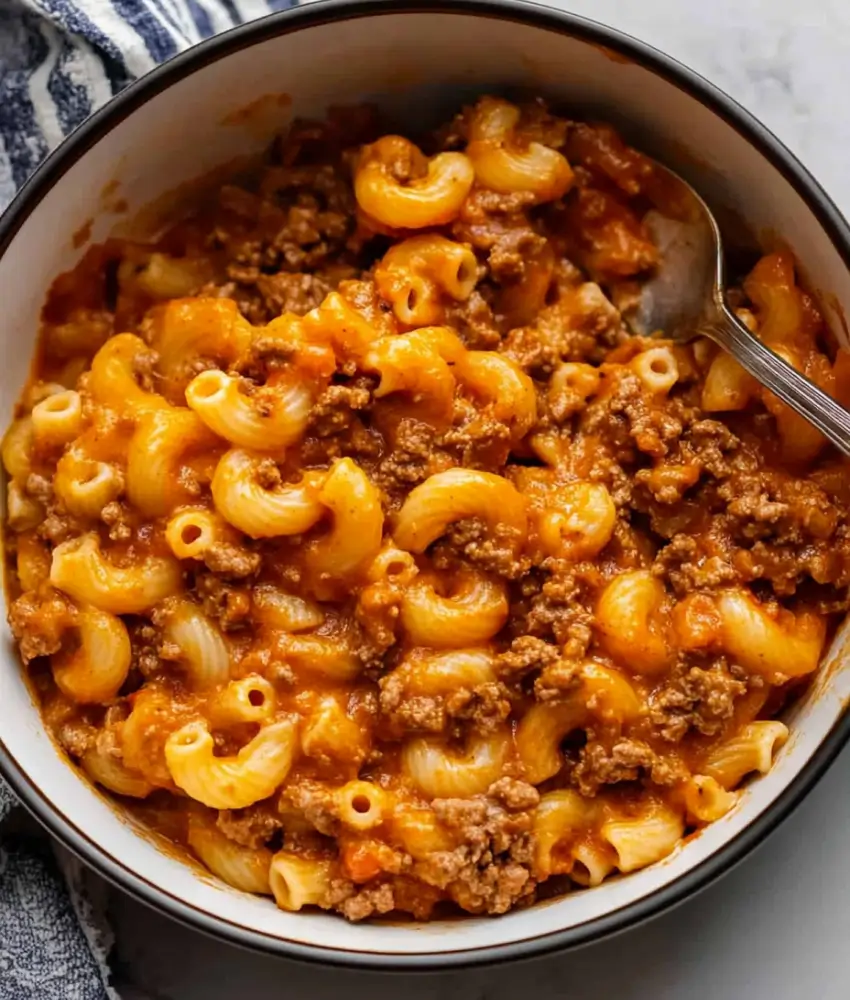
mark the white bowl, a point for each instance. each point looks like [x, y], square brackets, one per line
[419, 59]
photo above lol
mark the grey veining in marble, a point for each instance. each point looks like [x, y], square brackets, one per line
[777, 927]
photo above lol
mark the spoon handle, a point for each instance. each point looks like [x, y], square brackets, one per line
[774, 372]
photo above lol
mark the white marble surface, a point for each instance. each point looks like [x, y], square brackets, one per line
[776, 927]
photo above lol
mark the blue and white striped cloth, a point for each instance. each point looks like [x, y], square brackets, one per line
[59, 61]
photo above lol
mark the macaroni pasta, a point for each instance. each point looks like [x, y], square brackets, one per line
[355, 544]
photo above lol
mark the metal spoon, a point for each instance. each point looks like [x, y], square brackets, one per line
[686, 298]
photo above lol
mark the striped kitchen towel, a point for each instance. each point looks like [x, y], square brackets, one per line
[59, 61]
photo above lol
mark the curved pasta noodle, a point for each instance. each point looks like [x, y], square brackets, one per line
[727, 386]
[86, 485]
[362, 805]
[706, 800]
[329, 733]
[356, 531]
[419, 832]
[191, 328]
[543, 727]
[417, 363]
[336, 320]
[415, 274]
[319, 654]
[430, 200]
[572, 384]
[203, 650]
[578, 521]
[191, 532]
[657, 369]
[505, 164]
[110, 772]
[58, 419]
[499, 380]
[276, 609]
[244, 868]
[439, 771]
[82, 571]
[249, 699]
[392, 565]
[632, 622]
[95, 671]
[259, 511]
[230, 782]
[162, 443]
[112, 379]
[16, 449]
[452, 496]
[297, 881]
[273, 417]
[751, 749]
[444, 673]
[473, 610]
[559, 820]
[775, 648]
[642, 840]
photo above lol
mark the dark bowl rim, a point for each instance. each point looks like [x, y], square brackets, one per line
[297, 19]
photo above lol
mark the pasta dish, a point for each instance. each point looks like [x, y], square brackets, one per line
[356, 545]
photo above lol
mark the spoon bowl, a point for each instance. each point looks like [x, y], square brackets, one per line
[686, 298]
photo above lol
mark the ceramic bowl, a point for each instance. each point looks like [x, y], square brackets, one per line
[421, 60]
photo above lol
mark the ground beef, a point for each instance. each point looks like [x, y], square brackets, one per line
[626, 760]
[233, 562]
[378, 609]
[580, 326]
[477, 439]
[423, 713]
[119, 519]
[336, 407]
[483, 707]
[228, 603]
[474, 322]
[526, 653]
[510, 251]
[603, 233]
[628, 418]
[251, 827]
[39, 623]
[490, 871]
[494, 551]
[600, 150]
[316, 801]
[551, 608]
[145, 364]
[291, 293]
[77, 737]
[145, 640]
[490, 221]
[696, 698]
[765, 504]
[358, 903]
[39, 487]
[408, 462]
[58, 526]
[513, 794]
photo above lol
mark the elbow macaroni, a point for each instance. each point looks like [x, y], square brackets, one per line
[231, 782]
[81, 570]
[260, 511]
[432, 199]
[504, 163]
[452, 496]
[408, 559]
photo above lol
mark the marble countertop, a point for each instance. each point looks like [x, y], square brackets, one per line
[776, 926]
